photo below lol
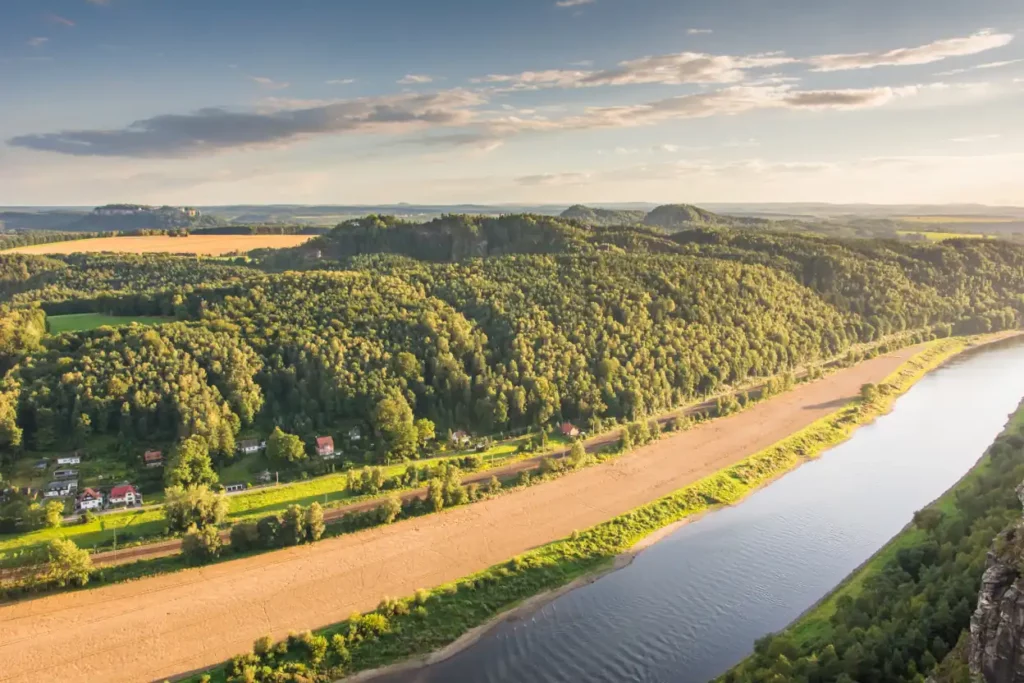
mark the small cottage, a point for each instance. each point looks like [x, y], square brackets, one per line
[325, 446]
[354, 434]
[72, 459]
[153, 458]
[125, 494]
[90, 499]
[460, 438]
[65, 474]
[569, 430]
[249, 446]
[60, 489]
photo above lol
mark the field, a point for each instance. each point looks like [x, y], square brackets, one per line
[77, 322]
[939, 236]
[217, 611]
[207, 245]
[957, 219]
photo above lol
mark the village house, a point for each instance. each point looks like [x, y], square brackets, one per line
[153, 458]
[460, 438]
[569, 430]
[234, 488]
[72, 459]
[90, 499]
[42, 465]
[354, 434]
[266, 477]
[124, 494]
[250, 446]
[325, 446]
[65, 474]
[60, 489]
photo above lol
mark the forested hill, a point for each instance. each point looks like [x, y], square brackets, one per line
[602, 217]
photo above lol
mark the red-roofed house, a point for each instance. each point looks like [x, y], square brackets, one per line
[125, 494]
[325, 446]
[90, 499]
[570, 430]
[153, 458]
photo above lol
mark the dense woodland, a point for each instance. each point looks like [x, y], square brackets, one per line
[482, 324]
[911, 614]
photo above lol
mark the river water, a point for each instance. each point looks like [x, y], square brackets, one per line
[691, 606]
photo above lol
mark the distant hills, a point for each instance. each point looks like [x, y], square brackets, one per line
[110, 218]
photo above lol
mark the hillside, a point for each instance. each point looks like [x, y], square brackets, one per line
[602, 217]
[131, 217]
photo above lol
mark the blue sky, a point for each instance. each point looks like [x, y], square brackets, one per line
[317, 101]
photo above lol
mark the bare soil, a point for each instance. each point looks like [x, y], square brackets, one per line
[161, 626]
[208, 245]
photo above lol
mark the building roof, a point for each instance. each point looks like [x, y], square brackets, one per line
[90, 493]
[122, 490]
[460, 435]
[248, 443]
[325, 441]
[152, 456]
[58, 485]
[569, 428]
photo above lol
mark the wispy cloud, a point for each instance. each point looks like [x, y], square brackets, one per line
[102, 3]
[269, 83]
[57, 19]
[922, 54]
[573, 3]
[988, 65]
[415, 79]
[698, 31]
[976, 138]
[340, 81]
[38, 42]
[210, 130]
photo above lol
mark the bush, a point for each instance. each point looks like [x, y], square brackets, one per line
[268, 530]
[494, 485]
[198, 505]
[293, 526]
[314, 522]
[245, 537]
[389, 510]
[200, 546]
[67, 564]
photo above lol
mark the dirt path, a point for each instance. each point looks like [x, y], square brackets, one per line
[161, 626]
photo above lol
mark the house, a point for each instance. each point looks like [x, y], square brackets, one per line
[249, 446]
[65, 474]
[90, 499]
[460, 438]
[72, 459]
[570, 430]
[60, 489]
[234, 488]
[354, 434]
[42, 465]
[153, 458]
[325, 446]
[266, 477]
[125, 494]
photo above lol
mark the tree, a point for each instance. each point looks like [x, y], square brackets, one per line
[200, 546]
[435, 494]
[293, 526]
[191, 465]
[393, 423]
[67, 564]
[390, 509]
[268, 530]
[314, 522]
[626, 440]
[198, 505]
[424, 430]
[868, 393]
[284, 447]
[578, 456]
[494, 485]
[54, 514]
[244, 537]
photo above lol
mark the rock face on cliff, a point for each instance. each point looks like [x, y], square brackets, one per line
[997, 626]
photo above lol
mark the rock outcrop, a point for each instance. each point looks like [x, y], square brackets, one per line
[997, 626]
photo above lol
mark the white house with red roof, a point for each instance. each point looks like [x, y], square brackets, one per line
[124, 494]
[325, 446]
[90, 499]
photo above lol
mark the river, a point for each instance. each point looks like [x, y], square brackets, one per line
[690, 606]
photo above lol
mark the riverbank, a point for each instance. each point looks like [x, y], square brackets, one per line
[218, 610]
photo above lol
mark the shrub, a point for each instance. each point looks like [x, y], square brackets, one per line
[293, 526]
[244, 537]
[67, 564]
[494, 485]
[390, 509]
[314, 522]
[200, 546]
[267, 530]
[198, 505]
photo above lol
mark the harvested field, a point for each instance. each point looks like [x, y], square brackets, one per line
[207, 245]
[154, 628]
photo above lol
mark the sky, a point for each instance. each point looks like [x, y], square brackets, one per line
[493, 101]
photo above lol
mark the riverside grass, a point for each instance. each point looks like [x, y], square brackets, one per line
[434, 619]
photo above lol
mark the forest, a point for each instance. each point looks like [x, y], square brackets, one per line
[475, 323]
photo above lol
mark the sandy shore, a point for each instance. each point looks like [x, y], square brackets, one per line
[160, 626]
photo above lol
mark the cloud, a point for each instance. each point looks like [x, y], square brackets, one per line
[976, 138]
[554, 179]
[922, 54]
[269, 83]
[340, 81]
[698, 31]
[415, 79]
[102, 3]
[38, 42]
[573, 3]
[989, 65]
[57, 19]
[210, 130]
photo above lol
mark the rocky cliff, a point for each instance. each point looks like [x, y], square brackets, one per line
[996, 652]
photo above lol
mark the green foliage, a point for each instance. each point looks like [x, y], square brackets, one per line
[185, 506]
[67, 564]
[314, 522]
[293, 526]
[191, 465]
[200, 546]
[53, 514]
[285, 448]
[390, 509]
